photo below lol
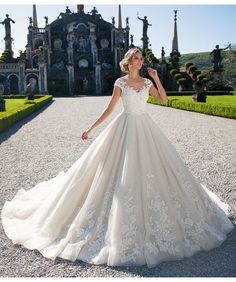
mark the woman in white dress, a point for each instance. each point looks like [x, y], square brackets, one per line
[128, 200]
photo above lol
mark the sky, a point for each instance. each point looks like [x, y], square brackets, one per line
[200, 26]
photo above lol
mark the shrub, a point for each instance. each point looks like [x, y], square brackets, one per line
[196, 72]
[205, 108]
[7, 119]
[192, 68]
[181, 81]
[188, 64]
[200, 76]
[177, 76]
[173, 72]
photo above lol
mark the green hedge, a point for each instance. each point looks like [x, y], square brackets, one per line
[192, 92]
[215, 109]
[20, 96]
[7, 119]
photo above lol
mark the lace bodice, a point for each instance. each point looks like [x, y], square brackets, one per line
[134, 100]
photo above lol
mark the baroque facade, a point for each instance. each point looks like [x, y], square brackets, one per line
[77, 53]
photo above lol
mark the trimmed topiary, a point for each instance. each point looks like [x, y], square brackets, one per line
[173, 72]
[177, 76]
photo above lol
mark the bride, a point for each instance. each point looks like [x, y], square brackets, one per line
[128, 200]
[131, 63]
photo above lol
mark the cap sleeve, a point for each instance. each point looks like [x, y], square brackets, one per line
[148, 83]
[119, 83]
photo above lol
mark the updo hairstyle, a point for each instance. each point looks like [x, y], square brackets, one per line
[128, 58]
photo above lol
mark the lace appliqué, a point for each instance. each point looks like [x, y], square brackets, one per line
[130, 249]
[125, 86]
[92, 234]
[196, 232]
[99, 242]
[159, 224]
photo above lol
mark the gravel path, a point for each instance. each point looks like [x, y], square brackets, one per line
[49, 141]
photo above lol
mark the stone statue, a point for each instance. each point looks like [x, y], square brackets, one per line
[113, 20]
[217, 58]
[40, 54]
[46, 20]
[67, 13]
[71, 44]
[82, 43]
[21, 57]
[145, 25]
[30, 88]
[127, 21]
[162, 54]
[94, 13]
[30, 21]
[131, 38]
[7, 23]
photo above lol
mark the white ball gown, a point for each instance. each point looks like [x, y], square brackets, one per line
[128, 200]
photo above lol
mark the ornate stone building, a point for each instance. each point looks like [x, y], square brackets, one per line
[77, 53]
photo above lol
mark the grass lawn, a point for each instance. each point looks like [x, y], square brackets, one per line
[16, 109]
[13, 103]
[224, 99]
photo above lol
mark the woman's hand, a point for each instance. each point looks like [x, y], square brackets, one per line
[85, 135]
[153, 73]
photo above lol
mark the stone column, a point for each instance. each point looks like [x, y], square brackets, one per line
[8, 44]
[127, 39]
[49, 45]
[21, 82]
[116, 58]
[112, 39]
[98, 78]
[71, 73]
[29, 56]
[48, 36]
[92, 39]
[42, 78]
[70, 53]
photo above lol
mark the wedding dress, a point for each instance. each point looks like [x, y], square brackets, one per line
[128, 200]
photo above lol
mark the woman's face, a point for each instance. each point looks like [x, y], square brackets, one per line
[137, 61]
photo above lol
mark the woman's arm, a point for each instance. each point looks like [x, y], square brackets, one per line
[111, 106]
[159, 93]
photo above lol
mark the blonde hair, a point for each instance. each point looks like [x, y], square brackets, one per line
[127, 58]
